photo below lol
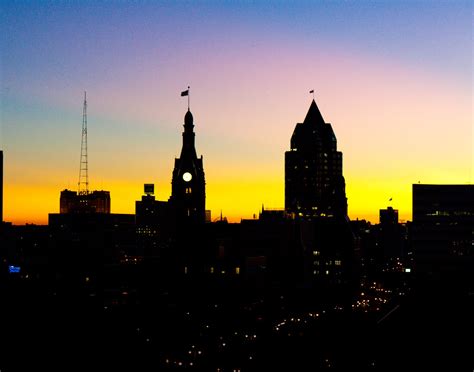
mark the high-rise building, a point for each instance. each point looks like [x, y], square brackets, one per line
[188, 194]
[315, 197]
[443, 232]
[314, 184]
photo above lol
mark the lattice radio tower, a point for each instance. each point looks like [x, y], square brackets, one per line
[83, 184]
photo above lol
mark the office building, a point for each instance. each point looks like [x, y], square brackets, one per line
[314, 184]
[91, 202]
[443, 232]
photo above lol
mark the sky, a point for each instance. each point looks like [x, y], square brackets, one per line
[394, 78]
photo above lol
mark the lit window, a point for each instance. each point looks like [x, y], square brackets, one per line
[237, 270]
[212, 270]
[188, 190]
[327, 272]
[337, 262]
[185, 269]
[316, 253]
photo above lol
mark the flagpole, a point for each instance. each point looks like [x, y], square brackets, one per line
[189, 94]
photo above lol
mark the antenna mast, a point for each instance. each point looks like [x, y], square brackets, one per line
[83, 184]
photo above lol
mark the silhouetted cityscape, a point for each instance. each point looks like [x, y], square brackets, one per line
[299, 288]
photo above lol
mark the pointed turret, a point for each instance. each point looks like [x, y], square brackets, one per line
[314, 116]
[188, 149]
[188, 119]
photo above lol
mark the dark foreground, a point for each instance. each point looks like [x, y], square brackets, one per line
[231, 329]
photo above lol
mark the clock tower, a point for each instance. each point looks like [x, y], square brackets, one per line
[188, 186]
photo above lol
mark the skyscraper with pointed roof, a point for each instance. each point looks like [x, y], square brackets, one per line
[314, 184]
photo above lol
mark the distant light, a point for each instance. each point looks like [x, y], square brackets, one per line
[408, 270]
[13, 269]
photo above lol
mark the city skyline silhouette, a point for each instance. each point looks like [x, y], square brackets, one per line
[245, 186]
[388, 97]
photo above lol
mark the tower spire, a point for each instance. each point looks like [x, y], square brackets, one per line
[83, 183]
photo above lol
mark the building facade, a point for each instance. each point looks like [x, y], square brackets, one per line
[314, 184]
[315, 196]
[91, 202]
[443, 233]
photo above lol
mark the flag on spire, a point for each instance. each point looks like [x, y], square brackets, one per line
[185, 93]
[311, 91]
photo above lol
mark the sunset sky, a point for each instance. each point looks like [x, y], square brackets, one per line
[394, 78]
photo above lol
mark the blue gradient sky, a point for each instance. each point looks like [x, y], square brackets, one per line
[393, 77]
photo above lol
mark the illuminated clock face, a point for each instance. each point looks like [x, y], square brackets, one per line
[187, 177]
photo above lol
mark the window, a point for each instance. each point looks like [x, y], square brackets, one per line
[337, 262]
[188, 190]
[316, 253]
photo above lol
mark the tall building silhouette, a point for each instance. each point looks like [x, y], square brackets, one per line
[315, 197]
[314, 184]
[188, 191]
